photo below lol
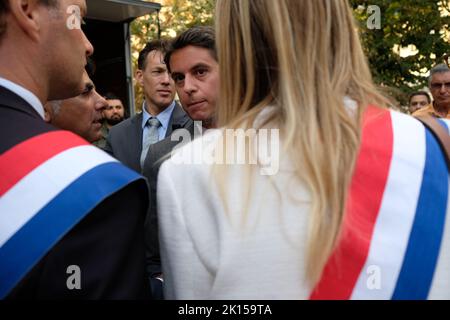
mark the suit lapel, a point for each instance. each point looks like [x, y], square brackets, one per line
[178, 119]
[135, 140]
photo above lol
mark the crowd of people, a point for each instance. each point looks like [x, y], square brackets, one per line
[357, 207]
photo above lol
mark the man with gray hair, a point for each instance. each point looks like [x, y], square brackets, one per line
[81, 114]
[439, 84]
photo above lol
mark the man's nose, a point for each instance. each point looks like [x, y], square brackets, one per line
[189, 85]
[88, 45]
[101, 103]
[165, 78]
[444, 88]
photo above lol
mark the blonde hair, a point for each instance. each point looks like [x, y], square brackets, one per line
[303, 57]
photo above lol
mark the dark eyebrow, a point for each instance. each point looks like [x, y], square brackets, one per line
[201, 65]
[159, 68]
[176, 74]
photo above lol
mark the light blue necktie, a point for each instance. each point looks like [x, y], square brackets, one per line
[151, 137]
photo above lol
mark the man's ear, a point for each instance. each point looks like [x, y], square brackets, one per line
[28, 16]
[47, 113]
[139, 76]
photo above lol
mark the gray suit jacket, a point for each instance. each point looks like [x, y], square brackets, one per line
[124, 140]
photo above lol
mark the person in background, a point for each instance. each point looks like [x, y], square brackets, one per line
[343, 198]
[130, 140]
[71, 216]
[439, 84]
[81, 114]
[192, 63]
[418, 100]
[113, 114]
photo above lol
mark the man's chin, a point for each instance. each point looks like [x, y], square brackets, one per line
[206, 121]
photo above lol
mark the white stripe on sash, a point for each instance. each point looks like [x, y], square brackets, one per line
[397, 212]
[19, 204]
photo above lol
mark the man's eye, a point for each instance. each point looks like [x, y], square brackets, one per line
[178, 78]
[201, 72]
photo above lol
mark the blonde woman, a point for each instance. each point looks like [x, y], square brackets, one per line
[358, 206]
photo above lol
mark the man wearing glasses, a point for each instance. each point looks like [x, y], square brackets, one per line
[439, 84]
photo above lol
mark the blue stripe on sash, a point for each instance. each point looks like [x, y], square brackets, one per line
[424, 244]
[22, 251]
[444, 124]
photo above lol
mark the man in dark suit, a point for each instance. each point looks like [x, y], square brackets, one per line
[71, 215]
[192, 62]
[131, 140]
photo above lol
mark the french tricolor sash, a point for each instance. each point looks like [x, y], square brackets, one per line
[47, 185]
[391, 242]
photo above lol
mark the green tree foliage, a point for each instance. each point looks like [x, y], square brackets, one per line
[419, 27]
[175, 17]
[413, 36]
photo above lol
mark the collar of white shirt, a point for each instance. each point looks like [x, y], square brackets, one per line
[25, 94]
[163, 117]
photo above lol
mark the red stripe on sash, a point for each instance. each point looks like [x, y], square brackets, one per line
[23, 158]
[363, 205]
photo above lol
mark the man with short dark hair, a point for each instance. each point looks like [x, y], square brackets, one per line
[439, 84]
[192, 62]
[115, 111]
[71, 216]
[113, 114]
[130, 140]
[418, 100]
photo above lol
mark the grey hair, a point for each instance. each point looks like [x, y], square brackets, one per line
[440, 68]
[55, 105]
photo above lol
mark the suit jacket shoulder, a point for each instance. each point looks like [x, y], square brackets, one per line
[124, 142]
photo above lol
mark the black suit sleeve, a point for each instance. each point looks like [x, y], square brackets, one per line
[153, 260]
[107, 245]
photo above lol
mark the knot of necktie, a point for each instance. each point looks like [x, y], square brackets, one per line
[150, 138]
[153, 122]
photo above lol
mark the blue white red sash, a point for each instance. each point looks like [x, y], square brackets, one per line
[396, 214]
[47, 185]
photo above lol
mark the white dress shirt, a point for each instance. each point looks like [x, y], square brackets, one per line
[25, 94]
